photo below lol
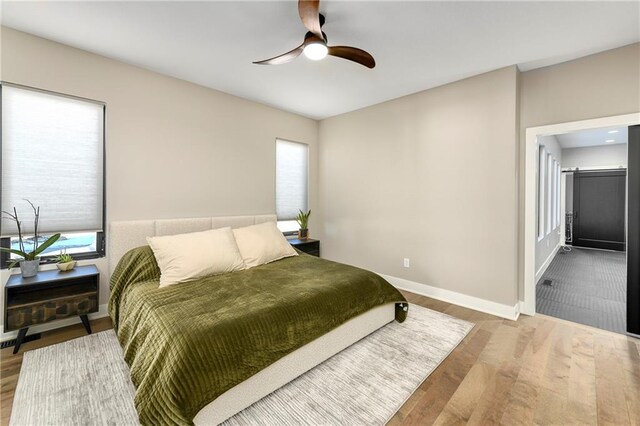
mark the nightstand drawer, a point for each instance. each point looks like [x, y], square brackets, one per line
[38, 312]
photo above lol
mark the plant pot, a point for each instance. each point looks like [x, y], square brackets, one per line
[303, 234]
[66, 266]
[29, 268]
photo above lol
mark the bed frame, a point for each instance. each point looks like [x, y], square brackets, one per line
[125, 235]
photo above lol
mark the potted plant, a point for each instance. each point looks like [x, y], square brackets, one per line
[303, 222]
[29, 260]
[65, 262]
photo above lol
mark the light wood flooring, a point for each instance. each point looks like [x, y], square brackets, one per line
[537, 370]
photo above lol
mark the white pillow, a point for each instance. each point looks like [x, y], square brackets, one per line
[263, 243]
[185, 257]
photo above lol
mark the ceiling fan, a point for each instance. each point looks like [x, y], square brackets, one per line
[314, 45]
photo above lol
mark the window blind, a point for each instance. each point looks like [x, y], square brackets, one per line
[291, 178]
[52, 154]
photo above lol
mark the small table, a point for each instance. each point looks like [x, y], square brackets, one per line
[49, 296]
[309, 246]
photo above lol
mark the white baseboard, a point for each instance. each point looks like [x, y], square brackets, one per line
[464, 300]
[523, 309]
[102, 312]
[540, 272]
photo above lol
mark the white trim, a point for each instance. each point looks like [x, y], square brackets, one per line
[102, 312]
[471, 302]
[588, 168]
[521, 306]
[543, 268]
[530, 214]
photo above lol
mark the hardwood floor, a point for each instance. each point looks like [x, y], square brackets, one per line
[537, 370]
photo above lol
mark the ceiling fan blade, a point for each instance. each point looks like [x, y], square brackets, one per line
[284, 58]
[309, 11]
[353, 54]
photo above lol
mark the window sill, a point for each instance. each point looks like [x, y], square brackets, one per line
[51, 260]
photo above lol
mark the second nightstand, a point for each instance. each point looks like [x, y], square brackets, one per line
[308, 246]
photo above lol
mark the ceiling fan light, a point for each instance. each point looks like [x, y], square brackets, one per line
[316, 51]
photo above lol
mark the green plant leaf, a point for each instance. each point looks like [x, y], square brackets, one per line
[52, 239]
[13, 251]
[64, 258]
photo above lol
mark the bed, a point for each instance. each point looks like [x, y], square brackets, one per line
[199, 352]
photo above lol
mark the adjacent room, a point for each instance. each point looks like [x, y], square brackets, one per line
[581, 257]
[319, 212]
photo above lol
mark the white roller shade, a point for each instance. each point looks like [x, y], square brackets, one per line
[52, 154]
[291, 178]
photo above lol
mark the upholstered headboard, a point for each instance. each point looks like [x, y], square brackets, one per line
[125, 235]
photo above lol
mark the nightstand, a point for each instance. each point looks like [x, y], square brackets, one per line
[308, 246]
[49, 296]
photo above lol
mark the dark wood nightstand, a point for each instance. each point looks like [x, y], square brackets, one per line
[49, 296]
[308, 246]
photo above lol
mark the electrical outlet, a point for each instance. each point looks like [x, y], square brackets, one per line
[406, 262]
[547, 243]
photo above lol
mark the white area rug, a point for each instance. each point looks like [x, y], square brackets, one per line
[86, 382]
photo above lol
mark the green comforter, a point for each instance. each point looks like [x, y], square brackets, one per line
[187, 344]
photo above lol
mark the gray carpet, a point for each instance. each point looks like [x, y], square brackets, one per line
[588, 287]
[86, 382]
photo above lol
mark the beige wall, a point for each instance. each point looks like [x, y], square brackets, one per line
[174, 149]
[595, 156]
[433, 176]
[600, 85]
[430, 177]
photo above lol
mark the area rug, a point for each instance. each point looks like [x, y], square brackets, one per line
[86, 381]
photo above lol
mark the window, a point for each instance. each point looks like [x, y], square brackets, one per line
[542, 167]
[554, 194]
[549, 178]
[558, 197]
[292, 160]
[548, 195]
[53, 154]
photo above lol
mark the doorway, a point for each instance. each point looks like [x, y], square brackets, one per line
[583, 279]
[589, 228]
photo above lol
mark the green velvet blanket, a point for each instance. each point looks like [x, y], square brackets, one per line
[186, 344]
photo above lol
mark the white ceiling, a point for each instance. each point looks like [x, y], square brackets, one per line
[417, 45]
[594, 137]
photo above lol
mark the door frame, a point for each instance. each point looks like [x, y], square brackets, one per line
[528, 302]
